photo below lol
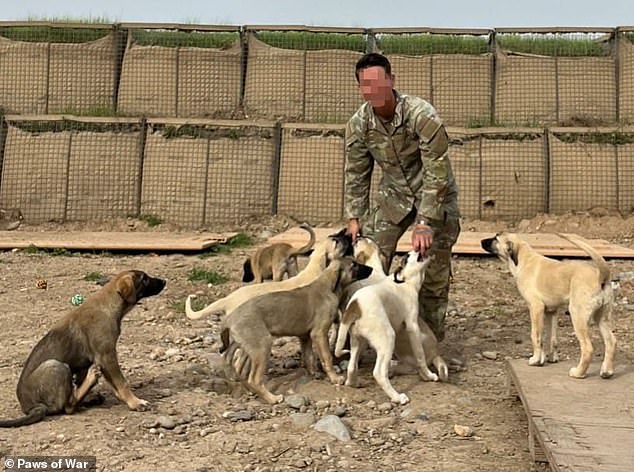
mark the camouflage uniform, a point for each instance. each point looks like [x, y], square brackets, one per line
[417, 184]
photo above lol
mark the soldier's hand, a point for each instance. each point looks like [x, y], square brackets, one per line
[353, 228]
[422, 238]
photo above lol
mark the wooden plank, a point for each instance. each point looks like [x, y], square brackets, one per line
[578, 425]
[548, 244]
[118, 241]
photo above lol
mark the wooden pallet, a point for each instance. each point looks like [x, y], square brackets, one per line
[112, 241]
[548, 244]
[577, 425]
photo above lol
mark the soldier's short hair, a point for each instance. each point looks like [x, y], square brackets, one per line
[370, 60]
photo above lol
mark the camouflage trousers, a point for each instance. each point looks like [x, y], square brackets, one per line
[434, 294]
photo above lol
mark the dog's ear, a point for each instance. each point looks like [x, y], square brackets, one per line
[512, 251]
[126, 287]
[248, 275]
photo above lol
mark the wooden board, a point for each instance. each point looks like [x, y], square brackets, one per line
[548, 244]
[114, 241]
[577, 424]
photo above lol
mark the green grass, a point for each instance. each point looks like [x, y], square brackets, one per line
[306, 40]
[58, 251]
[548, 45]
[94, 277]
[53, 35]
[151, 220]
[426, 43]
[94, 110]
[239, 240]
[196, 39]
[198, 304]
[208, 276]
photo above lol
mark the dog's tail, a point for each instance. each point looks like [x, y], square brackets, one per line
[604, 269]
[309, 245]
[441, 367]
[35, 414]
[248, 275]
[216, 307]
[350, 315]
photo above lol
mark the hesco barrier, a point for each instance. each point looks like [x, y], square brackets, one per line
[519, 77]
[198, 172]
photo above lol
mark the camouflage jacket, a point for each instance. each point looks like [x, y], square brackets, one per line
[412, 153]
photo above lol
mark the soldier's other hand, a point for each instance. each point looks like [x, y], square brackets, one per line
[422, 238]
[353, 228]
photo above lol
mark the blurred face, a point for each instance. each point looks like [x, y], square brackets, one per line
[376, 86]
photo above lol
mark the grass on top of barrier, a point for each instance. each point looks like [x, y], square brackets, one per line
[47, 34]
[194, 39]
[306, 40]
[419, 44]
[553, 45]
[615, 138]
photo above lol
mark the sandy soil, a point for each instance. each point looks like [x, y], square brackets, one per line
[201, 422]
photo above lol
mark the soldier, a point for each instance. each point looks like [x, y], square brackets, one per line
[405, 137]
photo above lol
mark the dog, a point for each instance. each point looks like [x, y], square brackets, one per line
[64, 365]
[334, 246]
[386, 315]
[546, 284]
[273, 261]
[10, 219]
[307, 312]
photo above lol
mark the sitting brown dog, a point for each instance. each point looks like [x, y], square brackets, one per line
[82, 345]
[273, 261]
[307, 312]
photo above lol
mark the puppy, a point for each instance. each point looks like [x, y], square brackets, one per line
[546, 284]
[386, 314]
[334, 246]
[307, 312]
[10, 219]
[68, 361]
[272, 262]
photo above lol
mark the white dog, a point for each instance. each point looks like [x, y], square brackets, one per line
[386, 314]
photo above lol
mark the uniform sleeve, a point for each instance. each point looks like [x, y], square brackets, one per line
[357, 174]
[433, 145]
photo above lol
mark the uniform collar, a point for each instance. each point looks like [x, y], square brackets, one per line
[376, 123]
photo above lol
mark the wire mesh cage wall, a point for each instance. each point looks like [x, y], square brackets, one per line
[197, 173]
[452, 69]
[625, 41]
[181, 70]
[302, 73]
[561, 76]
[584, 170]
[58, 68]
[311, 172]
[58, 169]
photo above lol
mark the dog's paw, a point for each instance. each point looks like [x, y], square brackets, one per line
[576, 373]
[95, 372]
[553, 357]
[606, 374]
[139, 405]
[429, 376]
[536, 360]
[401, 399]
[337, 379]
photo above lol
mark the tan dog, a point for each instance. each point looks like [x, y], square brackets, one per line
[546, 284]
[82, 344]
[386, 315]
[334, 246]
[273, 261]
[307, 312]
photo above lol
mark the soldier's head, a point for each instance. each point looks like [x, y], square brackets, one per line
[375, 79]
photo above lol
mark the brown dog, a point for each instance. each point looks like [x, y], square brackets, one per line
[334, 246]
[307, 312]
[82, 344]
[546, 284]
[273, 261]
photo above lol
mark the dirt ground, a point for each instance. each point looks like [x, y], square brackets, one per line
[201, 422]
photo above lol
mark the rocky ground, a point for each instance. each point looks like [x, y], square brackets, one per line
[199, 421]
